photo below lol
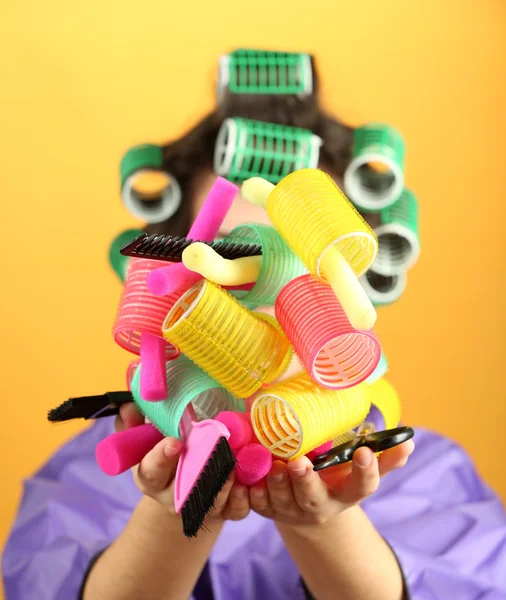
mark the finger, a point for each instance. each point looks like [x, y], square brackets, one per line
[222, 497]
[279, 488]
[259, 500]
[129, 416]
[157, 468]
[237, 506]
[395, 458]
[363, 479]
[310, 491]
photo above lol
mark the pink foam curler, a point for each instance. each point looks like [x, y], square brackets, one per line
[333, 352]
[254, 461]
[241, 431]
[176, 277]
[123, 450]
[153, 384]
[140, 311]
[320, 450]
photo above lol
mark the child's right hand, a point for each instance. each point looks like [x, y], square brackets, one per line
[154, 476]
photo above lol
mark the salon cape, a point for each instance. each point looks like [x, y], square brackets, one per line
[447, 528]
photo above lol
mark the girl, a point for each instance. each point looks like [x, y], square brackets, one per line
[433, 529]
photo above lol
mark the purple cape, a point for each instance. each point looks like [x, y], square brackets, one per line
[446, 526]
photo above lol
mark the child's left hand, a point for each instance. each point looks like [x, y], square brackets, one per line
[296, 495]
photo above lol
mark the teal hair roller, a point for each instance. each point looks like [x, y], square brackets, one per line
[118, 262]
[374, 178]
[380, 370]
[186, 383]
[152, 207]
[265, 72]
[279, 264]
[246, 148]
[381, 289]
[398, 237]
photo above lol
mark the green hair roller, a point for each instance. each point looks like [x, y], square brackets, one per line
[265, 72]
[246, 148]
[149, 207]
[383, 290]
[186, 383]
[118, 262]
[374, 178]
[398, 237]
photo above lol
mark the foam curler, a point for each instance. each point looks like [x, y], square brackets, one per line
[323, 228]
[140, 311]
[153, 205]
[398, 238]
[279, 265]
[123, 450]
[153, 385]
[205, 261]
[254, 462]
[374, 179]
[263, 72]
[187, 383]
[118, 262]
[379, 371]
[384, 397]
[241, 432]
[246, 149]
[293, 417]
[173, 278]
[236, 347]
[320, 450]
[335, 354]
[382, 290]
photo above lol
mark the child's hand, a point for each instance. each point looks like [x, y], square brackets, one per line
[296, 495]
[154, 476]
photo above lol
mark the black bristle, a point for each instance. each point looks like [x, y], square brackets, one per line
[215, 475]
[170, 248]
[89, 407]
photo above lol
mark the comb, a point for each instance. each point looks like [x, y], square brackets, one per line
[89, 407]
[170, 248]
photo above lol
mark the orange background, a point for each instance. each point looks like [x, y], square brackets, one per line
[83, 81]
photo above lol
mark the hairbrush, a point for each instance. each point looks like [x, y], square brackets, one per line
[89, 407]
[170, 248]
[377, 441]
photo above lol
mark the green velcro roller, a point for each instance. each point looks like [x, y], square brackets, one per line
[186, 383]
[118, 262]
[374, 178]
[246, 148]
[155, 205]
[264, 72]
[383, 290]
[380, 370]
[398, 237]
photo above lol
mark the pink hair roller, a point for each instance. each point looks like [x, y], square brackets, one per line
[335, 354]
[153, 384]
[254, 462]
[320, 450]
[176, 277]
[123, 450]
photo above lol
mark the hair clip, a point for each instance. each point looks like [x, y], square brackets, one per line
[170, 248]
[377, 441]
[90, 407]
[154, 205]
[374, 179]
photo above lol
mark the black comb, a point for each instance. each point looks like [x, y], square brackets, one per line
[377, 442]
[170, 248]
[89, 407]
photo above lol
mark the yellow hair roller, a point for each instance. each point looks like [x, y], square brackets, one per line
[236, 347]
[386, 400]
[324, 229]
[293, 417]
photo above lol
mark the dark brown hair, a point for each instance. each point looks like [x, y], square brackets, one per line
[194, 151]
